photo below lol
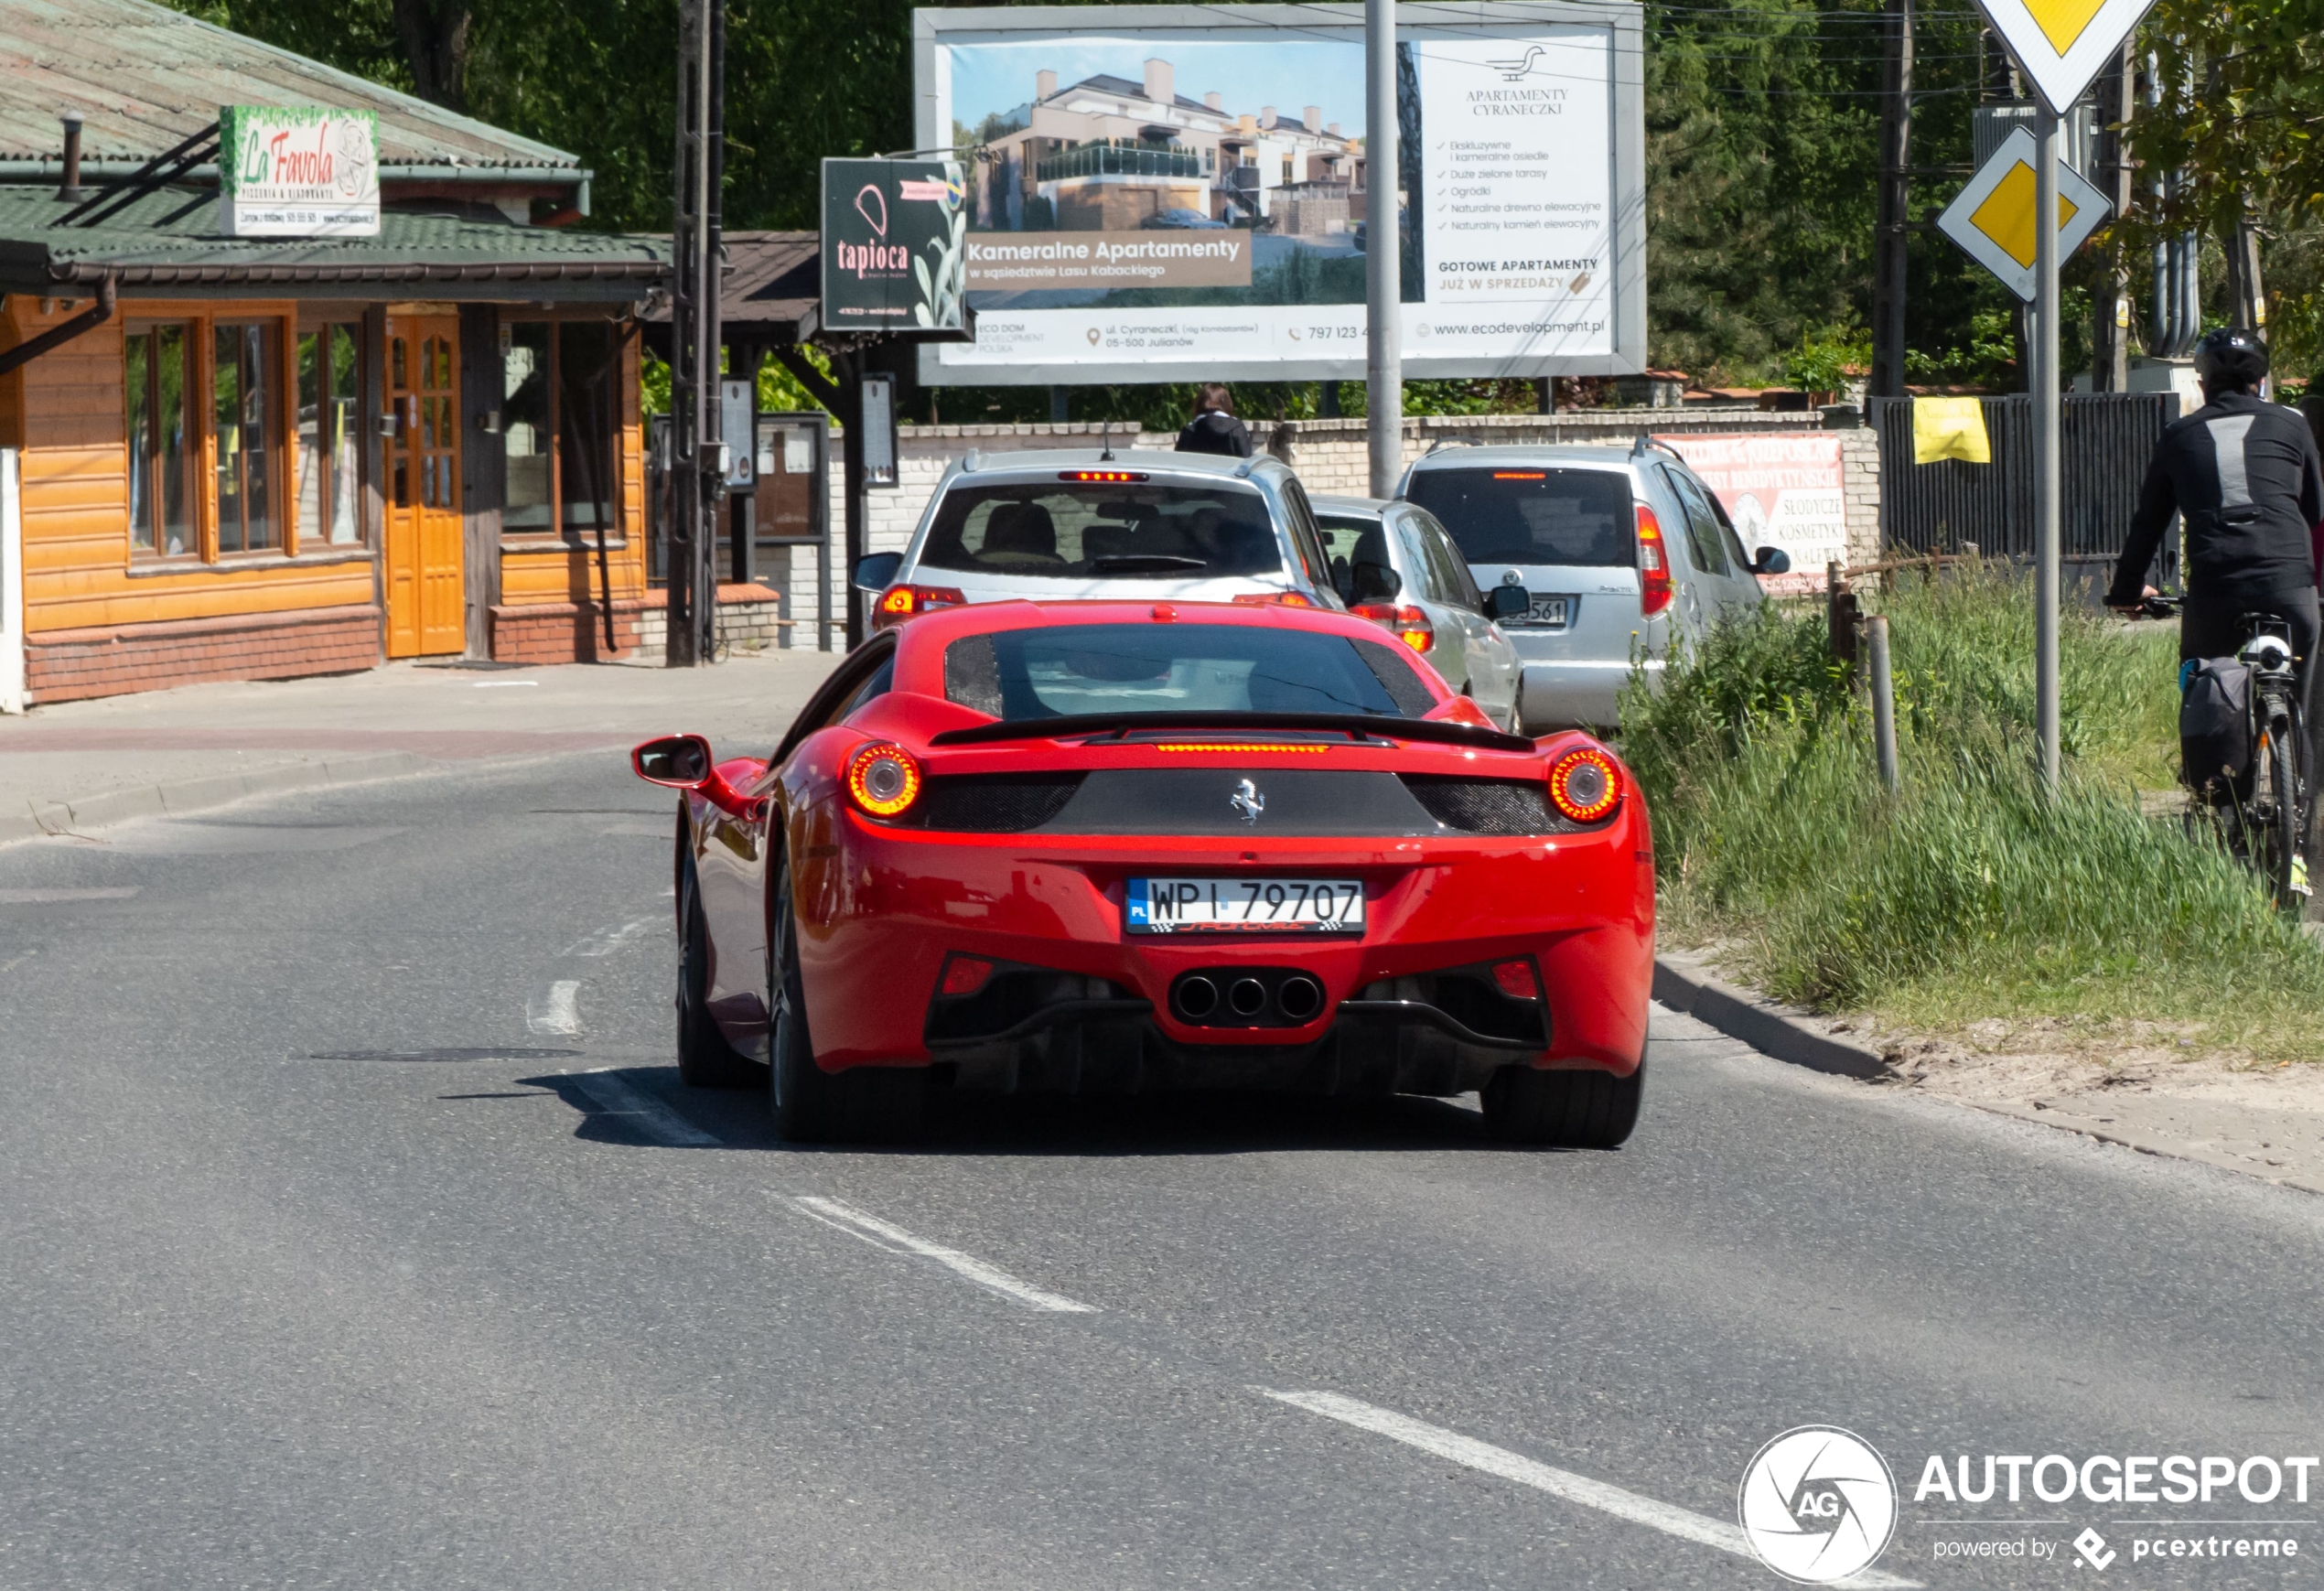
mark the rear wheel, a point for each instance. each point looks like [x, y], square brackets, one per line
[869, 1104]
[705, 1061]
[1564, 1110]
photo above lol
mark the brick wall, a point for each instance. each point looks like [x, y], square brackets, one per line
[1331, 457]
[563, 632]
[748, 620]
[66, 665]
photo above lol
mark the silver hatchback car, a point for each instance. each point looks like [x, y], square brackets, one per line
[1394, 564]
[1057, 526]
[1620, 551]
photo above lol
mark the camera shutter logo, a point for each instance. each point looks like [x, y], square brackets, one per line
[1817, 1504]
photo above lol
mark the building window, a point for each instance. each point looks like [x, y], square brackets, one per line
[246, 431]
[559, 386]
[328, 441]
[527, 427]
[160, 461]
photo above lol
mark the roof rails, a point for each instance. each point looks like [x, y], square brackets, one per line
[1645, 445]
[969, 463]
[1453, 442]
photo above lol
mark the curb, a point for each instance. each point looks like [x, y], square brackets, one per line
[149, 801]
[1775, 1030]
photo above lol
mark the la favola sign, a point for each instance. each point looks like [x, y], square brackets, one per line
[297, 172]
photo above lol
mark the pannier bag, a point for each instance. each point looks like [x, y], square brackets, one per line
[2214, 719]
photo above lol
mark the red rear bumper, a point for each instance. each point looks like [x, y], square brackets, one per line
[880, 910]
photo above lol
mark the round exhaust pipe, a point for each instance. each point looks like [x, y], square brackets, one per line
[1198, 996]
[1246, 996]
[1300, 997]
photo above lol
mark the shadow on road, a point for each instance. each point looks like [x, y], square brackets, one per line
[647, 1107]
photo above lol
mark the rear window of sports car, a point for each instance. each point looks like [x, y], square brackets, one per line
[1021, 674]
[1080, 531]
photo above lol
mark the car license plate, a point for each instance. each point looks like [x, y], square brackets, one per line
[1245, 906]
[1550, 611]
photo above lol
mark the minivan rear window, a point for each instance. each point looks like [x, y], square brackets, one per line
[1579, 517]
[1076, 529]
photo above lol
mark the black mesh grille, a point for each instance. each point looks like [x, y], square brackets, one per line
[1003, 803]
[1491, 806]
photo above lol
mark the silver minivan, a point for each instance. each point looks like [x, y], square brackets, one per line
[1394, 564]
[1058, 526]
[1618, 550]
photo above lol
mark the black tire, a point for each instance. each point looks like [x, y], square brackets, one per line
[705, 1061]
[2280, 841]
[809, 1105]
[1562, 1109]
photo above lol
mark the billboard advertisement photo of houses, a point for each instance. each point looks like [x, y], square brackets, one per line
[1147, 189]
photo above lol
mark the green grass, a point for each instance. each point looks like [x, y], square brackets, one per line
[1972, 893]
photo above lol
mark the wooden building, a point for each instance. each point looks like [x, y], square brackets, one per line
[248, 458]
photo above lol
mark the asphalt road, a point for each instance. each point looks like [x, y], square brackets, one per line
[355, 1232]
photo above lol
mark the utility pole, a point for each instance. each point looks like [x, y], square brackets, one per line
[2046, 436]
[2110, 320]
[697, 467]
[1383, 253]
[1889, 257]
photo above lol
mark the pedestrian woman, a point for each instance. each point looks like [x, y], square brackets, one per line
[1214, 428]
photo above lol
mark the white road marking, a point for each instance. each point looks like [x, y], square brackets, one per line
[607, 940]
[650, 1116]
[556, 1009]
[1683, 1523]
[896, 1241]
[42, 896]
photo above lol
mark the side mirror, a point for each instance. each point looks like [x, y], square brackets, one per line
[680, 761]
[877, 571]
[1377, 583]
[684, 762]
[1772, 561]
[1507, 602]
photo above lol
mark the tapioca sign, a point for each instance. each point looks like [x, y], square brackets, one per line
[894, 248]
[297, 172]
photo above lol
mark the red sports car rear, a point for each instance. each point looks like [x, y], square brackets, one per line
[1116, 847]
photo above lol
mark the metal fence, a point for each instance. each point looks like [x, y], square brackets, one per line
[2108, 439]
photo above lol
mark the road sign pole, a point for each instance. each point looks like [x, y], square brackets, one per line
[1384, 253]
[2046, 443]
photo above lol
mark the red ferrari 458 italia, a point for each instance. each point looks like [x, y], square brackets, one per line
[1111, 846]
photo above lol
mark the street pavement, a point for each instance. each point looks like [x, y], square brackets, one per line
[359, 1234]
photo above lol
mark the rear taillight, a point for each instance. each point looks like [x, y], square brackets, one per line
[883, 780]
[898, 603]
[1585, 785]
[1518, 980]
[1411, 624]
[1274, 599]
[1653, 564]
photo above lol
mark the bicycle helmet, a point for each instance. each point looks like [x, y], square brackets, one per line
[2230, 359]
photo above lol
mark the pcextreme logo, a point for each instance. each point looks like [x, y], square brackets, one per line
[1817, 1504]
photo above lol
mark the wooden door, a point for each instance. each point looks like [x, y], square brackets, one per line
[426, 593]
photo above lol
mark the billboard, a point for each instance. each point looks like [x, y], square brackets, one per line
[297, 172]
[1784, 489]
[892, 246]
[1189, 189]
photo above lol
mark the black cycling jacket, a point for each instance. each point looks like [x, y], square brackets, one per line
[2244, 475]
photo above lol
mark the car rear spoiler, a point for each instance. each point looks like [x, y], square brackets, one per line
[1361, 725]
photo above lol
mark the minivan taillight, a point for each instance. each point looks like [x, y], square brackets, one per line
[1653, 564]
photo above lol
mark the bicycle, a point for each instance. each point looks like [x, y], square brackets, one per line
[2268, 799]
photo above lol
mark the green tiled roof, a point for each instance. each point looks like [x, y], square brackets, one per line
[145, 76]
[167, 242]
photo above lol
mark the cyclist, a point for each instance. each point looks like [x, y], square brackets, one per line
[2243, 476]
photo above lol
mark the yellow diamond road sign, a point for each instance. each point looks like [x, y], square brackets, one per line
[1994, 216]
[2061, 45]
